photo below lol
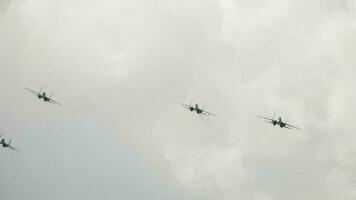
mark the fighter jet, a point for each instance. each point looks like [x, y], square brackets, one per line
[278, 122]
[199, 111]
[43, 96]
[7, 145]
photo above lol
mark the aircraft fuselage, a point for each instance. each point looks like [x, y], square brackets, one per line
[43, 96]
[279, 122]
[3, 143]
[197, 109]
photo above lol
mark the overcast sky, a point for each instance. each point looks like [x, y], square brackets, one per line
[117, 66]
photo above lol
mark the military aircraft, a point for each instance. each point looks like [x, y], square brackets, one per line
[278, 122]
[196, 109]
[7, 145]
[43, 96]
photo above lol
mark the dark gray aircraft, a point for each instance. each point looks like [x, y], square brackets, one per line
[43, 96]
[196, 108]
[278, 122]
[7, 145]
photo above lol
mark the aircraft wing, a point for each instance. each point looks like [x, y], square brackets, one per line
[54, 102]
[208, 113]
[13, 148]
[269, 121]
[265, 118]
[291, 126]
[183, 104]
[288, 127]
[33, 92]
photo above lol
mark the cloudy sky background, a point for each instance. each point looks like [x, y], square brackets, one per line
[117, 66]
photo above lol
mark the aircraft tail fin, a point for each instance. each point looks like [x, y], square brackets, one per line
[51, 95]
[40, 91]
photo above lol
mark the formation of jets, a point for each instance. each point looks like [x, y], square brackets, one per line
[39, 95]
[273, 121]
[193, 108]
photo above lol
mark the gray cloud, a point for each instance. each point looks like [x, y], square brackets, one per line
[122, 64]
